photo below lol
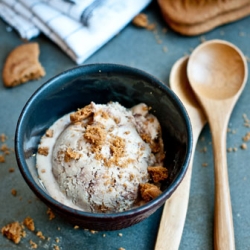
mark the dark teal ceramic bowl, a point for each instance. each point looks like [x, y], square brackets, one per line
[102, 83]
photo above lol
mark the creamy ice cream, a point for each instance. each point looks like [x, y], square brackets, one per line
[95, 159]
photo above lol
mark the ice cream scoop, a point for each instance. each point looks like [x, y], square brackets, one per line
[99, 155]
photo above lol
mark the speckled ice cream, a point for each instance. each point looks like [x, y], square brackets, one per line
[96, 162]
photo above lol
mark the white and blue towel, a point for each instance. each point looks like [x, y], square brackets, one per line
[79, 27]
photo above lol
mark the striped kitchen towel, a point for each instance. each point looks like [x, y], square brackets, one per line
[79, 27]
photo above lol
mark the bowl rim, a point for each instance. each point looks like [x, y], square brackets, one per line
[54, 204]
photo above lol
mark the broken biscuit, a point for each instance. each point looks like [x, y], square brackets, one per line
[13, 231]
[158, 173]
[149, 191]
[22, 65]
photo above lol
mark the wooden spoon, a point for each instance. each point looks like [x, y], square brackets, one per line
[217, 72]
[175, 208]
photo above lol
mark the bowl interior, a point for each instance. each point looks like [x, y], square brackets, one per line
[102, 83]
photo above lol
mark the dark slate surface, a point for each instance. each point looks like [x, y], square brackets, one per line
[145, 50]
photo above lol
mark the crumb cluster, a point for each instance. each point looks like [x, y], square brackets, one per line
[4, 149]
[15, 231]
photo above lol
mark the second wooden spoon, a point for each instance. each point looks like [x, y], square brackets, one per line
[217, 72]
[175, 208]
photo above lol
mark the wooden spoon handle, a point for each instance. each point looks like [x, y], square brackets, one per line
[223, 219]
[174, 215]
[175, 208]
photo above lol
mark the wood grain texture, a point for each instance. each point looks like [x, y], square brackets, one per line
[217, 71]
[175, 209]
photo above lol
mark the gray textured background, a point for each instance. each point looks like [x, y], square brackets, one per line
[145, 50]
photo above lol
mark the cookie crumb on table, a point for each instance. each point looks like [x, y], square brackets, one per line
[4, 148]
[29, 223]
[243, 146]
[3, 137]
[51, 215]
[246, 137]
[22, 65]
[40, 235]
[33, 245]
[2, 159]
[141, 20]
[13, 231]
[11, 170]
[13, 192]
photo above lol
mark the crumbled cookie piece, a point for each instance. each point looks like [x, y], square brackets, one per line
[11, 170]
[3, 137]
[243, 146]
[13, 231]
[149, 191]
[43, 151]
[51, 214]
[49, 133]
[246, 137]
[81, 114]
[40, 235]
[22, 65]
[71, 155]
[14, 192]
[33, 245]
[158, 173]
[2, 159]
[29, 223]
[5, 149]
[95, 134]
[141, 20]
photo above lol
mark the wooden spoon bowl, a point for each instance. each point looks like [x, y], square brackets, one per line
[217, 69]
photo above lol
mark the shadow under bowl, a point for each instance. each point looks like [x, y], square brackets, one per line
[102, 83]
